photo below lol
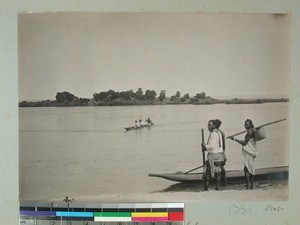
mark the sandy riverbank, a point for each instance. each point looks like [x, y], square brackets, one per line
[271, 191]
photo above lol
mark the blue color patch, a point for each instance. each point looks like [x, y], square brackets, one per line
[75, 214]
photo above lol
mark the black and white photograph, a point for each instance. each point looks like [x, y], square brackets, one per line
[153, 107]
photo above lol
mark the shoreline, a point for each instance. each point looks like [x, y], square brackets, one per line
[276, 190]
[90, 102]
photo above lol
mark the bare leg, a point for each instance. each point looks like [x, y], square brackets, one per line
[206, 176]
[251, 181]
[247, 175]
[205, 180]
[223, 176]
[218, 180]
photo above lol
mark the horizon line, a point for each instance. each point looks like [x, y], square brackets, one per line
[219, 97]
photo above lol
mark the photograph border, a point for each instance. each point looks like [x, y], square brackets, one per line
[194, 212]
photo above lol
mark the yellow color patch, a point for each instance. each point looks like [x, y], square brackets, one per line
[149, 214]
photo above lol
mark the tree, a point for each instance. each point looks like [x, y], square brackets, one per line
[96, 96]
[121, 94]
[202, 95]
[130, 95]
[150, 95]
[186, 96]
[64, 96]
[173, 98]
[162, 95]
[118, 94]
[183, 99]
[111, 94]
[177, 94]
[59, 97]
[102, 95]
[140, 94]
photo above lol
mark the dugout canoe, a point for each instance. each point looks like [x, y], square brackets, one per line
[232, 175]
[139, 127]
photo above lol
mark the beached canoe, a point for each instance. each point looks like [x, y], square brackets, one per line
[138, 127]
[232, 175]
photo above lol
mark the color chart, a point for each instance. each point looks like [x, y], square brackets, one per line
[41, 213]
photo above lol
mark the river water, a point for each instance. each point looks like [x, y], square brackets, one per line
[79, 151]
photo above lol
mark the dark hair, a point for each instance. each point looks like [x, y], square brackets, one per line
[250, 122]
[212, 121]
[218, 123]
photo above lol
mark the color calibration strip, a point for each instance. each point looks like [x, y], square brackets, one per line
[140, 212]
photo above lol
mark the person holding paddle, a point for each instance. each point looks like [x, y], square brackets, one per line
[215, 156]
[249, 152]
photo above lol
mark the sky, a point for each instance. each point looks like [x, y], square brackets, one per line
[221, 54]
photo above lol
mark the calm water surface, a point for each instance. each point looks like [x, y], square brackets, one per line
[85, 150]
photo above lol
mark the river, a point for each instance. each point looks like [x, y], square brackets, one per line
[79, 151]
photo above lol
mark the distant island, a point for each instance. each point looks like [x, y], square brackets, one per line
[127, 98]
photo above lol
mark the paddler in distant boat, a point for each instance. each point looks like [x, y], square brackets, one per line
[249, 152]
[215, 156]
[148, 121]
[140, 123]
[223, 171]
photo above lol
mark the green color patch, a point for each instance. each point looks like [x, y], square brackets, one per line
[112, 214]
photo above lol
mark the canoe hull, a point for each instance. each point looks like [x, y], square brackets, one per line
[136, 128]
[232, 175]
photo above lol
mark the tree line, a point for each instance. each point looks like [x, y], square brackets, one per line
[148, 95]
[138, 97]
[112, 97]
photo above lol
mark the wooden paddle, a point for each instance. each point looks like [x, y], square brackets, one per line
[203, 155]
[255, 128]
[194, 169]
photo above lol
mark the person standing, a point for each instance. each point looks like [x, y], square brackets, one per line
[249, 152]
[215, 156]
[223, 171]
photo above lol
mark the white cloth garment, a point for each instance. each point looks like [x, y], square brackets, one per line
[214, 143]
[249, 152]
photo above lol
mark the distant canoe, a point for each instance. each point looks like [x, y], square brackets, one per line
[138, 127]
[231, 175]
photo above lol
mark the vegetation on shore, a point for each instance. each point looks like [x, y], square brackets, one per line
[113, 98]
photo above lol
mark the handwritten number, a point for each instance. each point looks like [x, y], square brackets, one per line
[273, 208]
[243, 209]
[239, 209]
